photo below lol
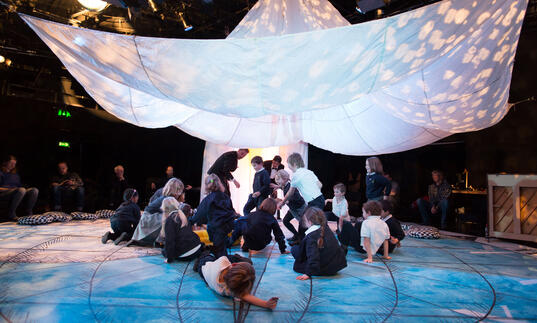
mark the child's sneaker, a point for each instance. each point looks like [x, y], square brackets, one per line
[105, 237]
[120, 238]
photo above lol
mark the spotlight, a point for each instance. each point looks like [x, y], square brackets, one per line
[94, 5]
[2, 59]
[8, 62]
[186, 26]
[364, 6]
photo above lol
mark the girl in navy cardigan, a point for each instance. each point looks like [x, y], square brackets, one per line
[377, 187]
[319, 252]
[216, 210]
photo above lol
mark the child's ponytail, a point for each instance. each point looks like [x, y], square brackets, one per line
[322, 223]
[316, 216]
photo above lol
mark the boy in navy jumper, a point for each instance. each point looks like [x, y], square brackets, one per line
[261, 186]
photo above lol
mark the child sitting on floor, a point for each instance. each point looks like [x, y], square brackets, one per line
[125, 219]
[295, 203]
[396, 232]
[374, 231]
[340, 207]
[231, 276]
[319, 253]
[257, 227]
[180, 242]
[261, 186]
[305, 181]
[216, 209]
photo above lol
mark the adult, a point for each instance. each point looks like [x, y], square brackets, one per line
[66, 185]
[118, 185]
[438, 193]
[11, 189]
[150, 224]
[161, 182]
[225, 165]
[393, 198]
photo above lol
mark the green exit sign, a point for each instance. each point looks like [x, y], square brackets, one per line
[64, 113]
[64, 144]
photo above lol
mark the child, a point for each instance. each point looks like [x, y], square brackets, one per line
[396, 232]
[179, 240]
[231, 276]
[217, 211]
[340, 207]
[374, 231]
[305, 181]
[261, 186]
[319, 252]
[125, 219]
[257, 227]
[378, 187]
[295, 203]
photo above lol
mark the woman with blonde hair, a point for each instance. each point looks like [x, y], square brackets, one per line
[180, 242]
[149, 227]
[377, 186]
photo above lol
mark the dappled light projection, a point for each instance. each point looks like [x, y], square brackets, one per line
[383, 86]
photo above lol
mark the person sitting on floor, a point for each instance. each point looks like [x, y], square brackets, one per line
[318, 253]
[148, 230]
[374, 231]
[261, 186]
[11, 190]
[396, 231]
[439, 193]
[180, 242]
[125, 219]
[67, 184]
[340, 207]
[216, 210]
[296, 206]
[118, 185]
[231, 276]
[257, 226]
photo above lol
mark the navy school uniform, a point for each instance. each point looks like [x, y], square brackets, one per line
[179, 241]
[125, 219]
[261, 184]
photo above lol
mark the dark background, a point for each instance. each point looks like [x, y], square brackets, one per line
[31, 130]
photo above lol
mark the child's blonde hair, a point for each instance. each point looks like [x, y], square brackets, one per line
[171, 207]
[295, 159]
[375, 165]
[174, 187]
[212, 183]
[283, 174]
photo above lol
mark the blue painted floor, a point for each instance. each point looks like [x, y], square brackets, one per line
[62, 273]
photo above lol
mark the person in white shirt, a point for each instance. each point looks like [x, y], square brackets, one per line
[231, 276]
[340, 207]
[374, 231]
[305, 181]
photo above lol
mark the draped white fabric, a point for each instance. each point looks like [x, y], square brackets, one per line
[383, 86]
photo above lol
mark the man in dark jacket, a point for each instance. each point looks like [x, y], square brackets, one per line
[439, 193]
[225, 165]
[66, 184]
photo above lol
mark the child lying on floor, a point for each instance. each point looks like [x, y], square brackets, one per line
[231, 276]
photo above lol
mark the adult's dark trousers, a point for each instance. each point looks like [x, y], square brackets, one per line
[60, 194]
[20, 196]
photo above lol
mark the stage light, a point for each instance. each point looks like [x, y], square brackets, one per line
[8, 62]
[95, 5]
[2, 59]
[186, 26]
[64, 144]
[364, 6]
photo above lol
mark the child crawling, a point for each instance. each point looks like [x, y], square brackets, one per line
[231, 276]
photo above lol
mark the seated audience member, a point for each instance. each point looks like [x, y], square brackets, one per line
[162, 181]
[231, 276]
[117, 187]
[394, 193]
[439, 193]
[319, 253]
[180, 242]
[216, 210]
[125, 219]
[396, 232]
[12, 192]
[148, 230]
[67, 185]
[257, 227]
[374, 232]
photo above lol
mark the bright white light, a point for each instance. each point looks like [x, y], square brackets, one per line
[96, 5]
[2, 59]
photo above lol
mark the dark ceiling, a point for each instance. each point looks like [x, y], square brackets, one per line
[35, 73]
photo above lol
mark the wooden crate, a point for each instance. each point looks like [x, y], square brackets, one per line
[512, 209]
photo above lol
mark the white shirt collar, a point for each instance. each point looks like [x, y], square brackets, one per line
[312, 228]
[387, 217]
[257, 171]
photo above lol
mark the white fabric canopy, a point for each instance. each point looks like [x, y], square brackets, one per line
[383, 86]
